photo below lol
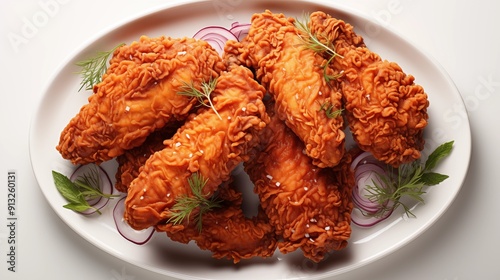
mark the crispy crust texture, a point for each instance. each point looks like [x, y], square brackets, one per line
[228, 233]
[206, 144]
[137, 95]
[293, 75]
[309, 207]
[385, 109]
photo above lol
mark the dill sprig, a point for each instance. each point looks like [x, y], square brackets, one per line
[408, 180]
[188, 89]
[93, 68]
[185, 204]
[313, 42]
[330, 110]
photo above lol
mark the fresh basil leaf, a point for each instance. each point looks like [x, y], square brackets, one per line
[77, 207]
[440, 152]
[66, 188]
[433, 178]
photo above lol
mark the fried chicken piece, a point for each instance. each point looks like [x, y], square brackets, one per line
[293, 75]
[228, 233]
[386, 110]
[130, 163]
[138, 95]
[205, 144]
[309, 207]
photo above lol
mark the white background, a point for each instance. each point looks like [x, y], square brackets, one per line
[461, 35]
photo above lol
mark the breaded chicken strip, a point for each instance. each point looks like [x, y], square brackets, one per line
[205, 144]
[309, 207]
[293, 75]
[130, 163]
[228, 233]
[137, 95]
[386, 110]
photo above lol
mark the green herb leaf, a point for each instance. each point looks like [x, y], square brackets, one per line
[408, 180]
[330, 110]
[314, 42]
[440, 152]
[185, 205]
[93, 68]
[77, 207]
[432, 178]
[189, 89]
[66, 188]
[78, 193]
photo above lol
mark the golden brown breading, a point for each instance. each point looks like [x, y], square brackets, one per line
[204, 144]
[309, 207]
[137, 95]
[293, 75]
[130, 163]
[386, 110]
[228, 233]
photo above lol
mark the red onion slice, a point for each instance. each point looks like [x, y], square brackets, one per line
[368, 172]
[105, 186]
[240, 30]
[363, 220]
[216, 36]
[138, 237]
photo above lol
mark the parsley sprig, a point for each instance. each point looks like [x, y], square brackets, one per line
[185, 204]
[408, 180]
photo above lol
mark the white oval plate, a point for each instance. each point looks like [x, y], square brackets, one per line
[62, 101]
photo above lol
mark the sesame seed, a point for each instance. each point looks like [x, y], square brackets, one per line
[144, 190]
[178, 144]
[228, 117]
[310, 239]
[307, 225]
[306, 188]
[127, 108]
[313, 220]
[142, 197]
[201, 151]
[243, 109]
[278, 184]
[306, 235]
[191, 155]
[269, 177]
[181, 53]
[327, 228]
[320, 93]
[168, 194]
[187, 136]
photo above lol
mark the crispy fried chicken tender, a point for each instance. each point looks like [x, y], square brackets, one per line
[386, 110]
[309, 207]
[294, 77]
[205, 144]
[130, 163]
[228, 233]
[137, 95]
